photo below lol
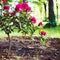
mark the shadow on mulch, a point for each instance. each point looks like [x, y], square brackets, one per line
[31, 50]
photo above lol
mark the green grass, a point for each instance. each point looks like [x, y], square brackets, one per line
[2, 34]
[51, 32]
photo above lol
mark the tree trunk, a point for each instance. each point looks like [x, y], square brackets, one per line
[57, 9]
[9, 51]
[57, 12]
[45, 10]
[52, 19]
[24, 0]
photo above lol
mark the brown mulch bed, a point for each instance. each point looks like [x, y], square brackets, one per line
[28, 49]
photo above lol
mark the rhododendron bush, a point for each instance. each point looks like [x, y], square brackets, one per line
[19, 18]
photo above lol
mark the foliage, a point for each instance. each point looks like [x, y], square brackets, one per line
[40, 3]
[20, 19]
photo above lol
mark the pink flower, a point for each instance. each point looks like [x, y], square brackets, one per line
[26, 7]
[6, 7]
[4, 1]
[13, 13]
[20, 10]
[33, 20]
[43, 33]
[40, 23]
[19, 7]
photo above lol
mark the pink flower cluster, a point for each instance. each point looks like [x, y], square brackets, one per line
[19, 7]
[33, 20]
[6, 7]
[23, 7]
[4, 1]
[43, 33]
[13, 13]
[26, 7]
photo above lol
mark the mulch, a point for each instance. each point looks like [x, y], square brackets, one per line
[28, 49]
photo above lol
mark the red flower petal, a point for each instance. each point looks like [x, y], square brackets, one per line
[40, 23]
[4, 1]
[6, 7]
[43, 33]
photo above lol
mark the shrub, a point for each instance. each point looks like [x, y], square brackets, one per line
[20, 18]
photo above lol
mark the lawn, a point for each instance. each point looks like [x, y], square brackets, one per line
[51, 32]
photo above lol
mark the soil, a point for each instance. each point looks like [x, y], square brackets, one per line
[23, 48]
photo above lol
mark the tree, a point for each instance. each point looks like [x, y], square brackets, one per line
[42, 4]
[52, 20]
[57, 8]
[24, 0]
